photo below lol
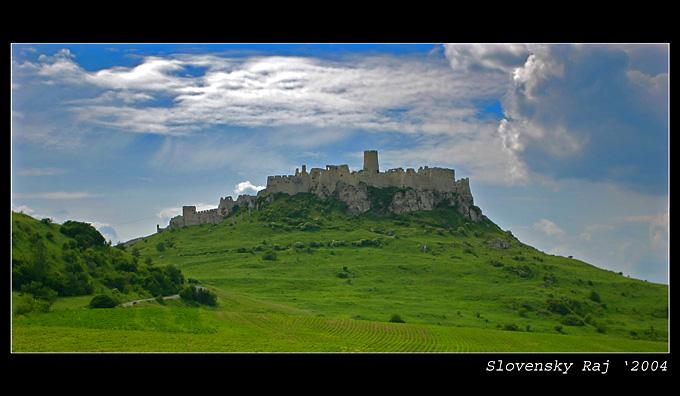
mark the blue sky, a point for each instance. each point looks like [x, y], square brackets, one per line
[565, 145]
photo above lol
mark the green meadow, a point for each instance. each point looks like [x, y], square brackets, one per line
[299, 275]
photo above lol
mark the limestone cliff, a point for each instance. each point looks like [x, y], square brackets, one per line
[395, 190]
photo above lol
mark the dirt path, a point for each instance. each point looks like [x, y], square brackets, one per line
[127, 304]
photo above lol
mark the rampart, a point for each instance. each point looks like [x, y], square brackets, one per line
[426, 188]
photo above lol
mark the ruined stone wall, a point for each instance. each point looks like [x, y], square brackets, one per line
[428, 188]
[189, 217]
[438, 179]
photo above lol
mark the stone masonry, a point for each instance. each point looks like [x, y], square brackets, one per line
[424, 190]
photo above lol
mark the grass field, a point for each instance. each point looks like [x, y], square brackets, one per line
[298, 275]
[160, 329]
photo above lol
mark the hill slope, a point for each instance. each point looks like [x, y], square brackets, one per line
[299, 274]
[428, 267]
[51, 260]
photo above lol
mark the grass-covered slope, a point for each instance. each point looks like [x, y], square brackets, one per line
[429, 267]
[52, 260]
[298, 274]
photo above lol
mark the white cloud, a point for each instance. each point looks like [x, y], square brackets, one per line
[41, 172]
[379, 93]
[57, 195]
[23, 209]
[168, 213]
[247, 185]
[581, 111]
[504, 58]
[548, 227]
[658, 227]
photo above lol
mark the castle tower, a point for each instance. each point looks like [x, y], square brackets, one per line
[188, 210]
[371, 161]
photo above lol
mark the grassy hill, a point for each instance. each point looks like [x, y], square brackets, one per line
[51, 261]
[299, 274]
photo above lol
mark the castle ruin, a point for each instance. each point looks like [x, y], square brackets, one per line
[423, 190]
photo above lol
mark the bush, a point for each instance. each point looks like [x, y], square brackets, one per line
[395, 318]
[103, 301]
[28, 303]
[594, 296]
[199, 294]
[511, 327]
[269, 255]
[572, 320]
[557, 307]
[366, 242]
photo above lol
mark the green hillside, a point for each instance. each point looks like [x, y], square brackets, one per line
[51, 261]
[298, 274]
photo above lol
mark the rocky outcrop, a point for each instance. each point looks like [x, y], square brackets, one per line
[412, 200]
[355, 197]
[359, 200]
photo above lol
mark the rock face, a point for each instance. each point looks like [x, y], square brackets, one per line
[402, 191]
[412, 200]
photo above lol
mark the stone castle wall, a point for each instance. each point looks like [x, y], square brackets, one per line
[427, 188]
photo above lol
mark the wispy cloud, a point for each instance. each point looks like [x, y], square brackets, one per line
[57, 195]
[42, 172]
[372, 92]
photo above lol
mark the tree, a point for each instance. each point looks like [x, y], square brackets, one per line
[395, 318]
[103, 301]
[85, 235]
[199, 294]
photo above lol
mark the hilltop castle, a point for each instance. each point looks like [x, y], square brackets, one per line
[424, 189]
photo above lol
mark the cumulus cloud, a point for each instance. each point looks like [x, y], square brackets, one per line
[246, 186]
[548, 227]
[581, 111]
[495, 58]
[598, 112]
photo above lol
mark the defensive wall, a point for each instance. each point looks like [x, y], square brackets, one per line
[327, 182]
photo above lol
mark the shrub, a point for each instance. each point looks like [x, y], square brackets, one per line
[366, 242]
[395, 318]
[572, 320]
[28, 303]
[269, 255]
[103, 301]
[510, 327]
[160, 246]
[594, 296]
[557, 307]
[198, 294]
